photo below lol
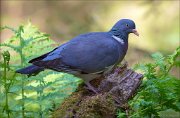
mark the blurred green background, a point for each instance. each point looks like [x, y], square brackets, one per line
[156, 21]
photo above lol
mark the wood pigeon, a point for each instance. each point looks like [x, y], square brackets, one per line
[87, 56]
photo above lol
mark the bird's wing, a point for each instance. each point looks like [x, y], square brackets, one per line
[41, 57]
[51, 60]
[87, 53]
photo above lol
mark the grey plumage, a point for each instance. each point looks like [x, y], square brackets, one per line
[87, 55]
[82, 54]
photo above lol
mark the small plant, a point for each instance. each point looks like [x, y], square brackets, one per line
[34, 96]
[159, 91]
[6, 81]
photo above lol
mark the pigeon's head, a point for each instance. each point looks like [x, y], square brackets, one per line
[124, 27]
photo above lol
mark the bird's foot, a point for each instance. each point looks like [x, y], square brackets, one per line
[91, 88]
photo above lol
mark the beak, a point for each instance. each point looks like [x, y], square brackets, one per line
[135, 32]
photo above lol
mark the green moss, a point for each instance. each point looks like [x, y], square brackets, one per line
[88, 106]
[96, 107]
[67, 105]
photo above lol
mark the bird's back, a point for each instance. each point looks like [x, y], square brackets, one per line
[89, 53]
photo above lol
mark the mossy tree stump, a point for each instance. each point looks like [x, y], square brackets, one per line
[115, 89]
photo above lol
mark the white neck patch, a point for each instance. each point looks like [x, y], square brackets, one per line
[118, 39]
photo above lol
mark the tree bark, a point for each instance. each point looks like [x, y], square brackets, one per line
[115, 89]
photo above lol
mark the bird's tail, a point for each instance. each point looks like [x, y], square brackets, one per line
[30, 70]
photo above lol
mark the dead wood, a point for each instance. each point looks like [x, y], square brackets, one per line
[115, 89]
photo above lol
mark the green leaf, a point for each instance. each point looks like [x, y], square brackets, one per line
[10, 28]
[15, 48]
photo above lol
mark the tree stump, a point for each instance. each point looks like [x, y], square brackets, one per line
[115, 89]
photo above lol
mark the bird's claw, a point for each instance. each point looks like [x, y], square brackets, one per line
[91, 88]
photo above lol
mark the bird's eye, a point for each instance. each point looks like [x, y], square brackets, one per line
[127, 25]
